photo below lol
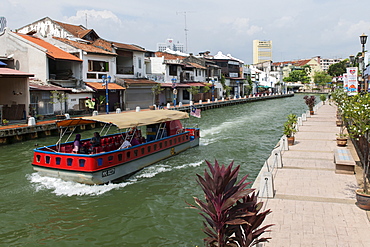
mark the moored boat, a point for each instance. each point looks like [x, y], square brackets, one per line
[162, 135]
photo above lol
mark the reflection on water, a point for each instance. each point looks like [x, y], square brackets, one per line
[149, 208]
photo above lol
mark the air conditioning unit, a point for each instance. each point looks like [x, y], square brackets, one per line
[192, 78]
[138, 74]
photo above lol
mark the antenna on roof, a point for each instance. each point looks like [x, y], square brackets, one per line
[86, 19]
[185, 29]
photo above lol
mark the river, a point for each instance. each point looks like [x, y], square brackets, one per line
[149, 208]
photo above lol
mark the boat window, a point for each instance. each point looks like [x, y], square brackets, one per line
[183, 138]
[155, 147]
[136, 152]
[179, 139]
[160, 145]
[47, 159]
[38, 158]
[57, 160]
[165, 143]
[81, 162]
[187, 137]
[149, 148]
[69, 161]
[120, 157]
[128, 154]
[170, 142]
[142, 150]
[110, 159]
[100, 161]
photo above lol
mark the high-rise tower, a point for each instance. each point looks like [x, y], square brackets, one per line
[262, 51]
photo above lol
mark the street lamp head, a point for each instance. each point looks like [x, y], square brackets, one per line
[109, 77]
[103, 77]
[351, 58]
[363, 39]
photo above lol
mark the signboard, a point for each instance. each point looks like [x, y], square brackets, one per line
[345, 82]
[352, 80]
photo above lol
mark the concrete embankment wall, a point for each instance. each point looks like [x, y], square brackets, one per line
[10, 134]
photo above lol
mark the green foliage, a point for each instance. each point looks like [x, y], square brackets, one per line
[290, 125]
[101, 100]
[356, 113]
[321, 78]
[338, 69]
[322, 97]
[156, 90]
[206, 89]
[231, 211]
[298, 75]
[193, 90]
[58, 97]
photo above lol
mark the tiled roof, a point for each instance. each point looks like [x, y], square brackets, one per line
[73, 29]
[197, 66]
[52, 50]
[168, 55]
[139, 81]
[101, 43]
[35, 86]
[99, 86]
[128, 47]
[4, 72]
[295, 63]
[85, 47]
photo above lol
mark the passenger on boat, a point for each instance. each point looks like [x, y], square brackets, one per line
[95, 141]
[125, 144]
[77, 144]
[135, 141]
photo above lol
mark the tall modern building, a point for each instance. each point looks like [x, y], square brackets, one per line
[171, 45]
[2, 24]
[262, 51]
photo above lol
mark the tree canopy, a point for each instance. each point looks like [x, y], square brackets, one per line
[321, 78]
[338, 69]
[297, 75]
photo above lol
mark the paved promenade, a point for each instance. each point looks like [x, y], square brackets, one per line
[314, 206]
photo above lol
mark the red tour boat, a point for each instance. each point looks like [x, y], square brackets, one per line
[162, 136]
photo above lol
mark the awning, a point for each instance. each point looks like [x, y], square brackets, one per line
[184, 85]
[7, 72]
[99, 86]
[34, 86]
[127, 119]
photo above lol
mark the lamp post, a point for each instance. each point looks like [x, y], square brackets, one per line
[213, 89]
[106, 81]
[174, 92]
[363, 39]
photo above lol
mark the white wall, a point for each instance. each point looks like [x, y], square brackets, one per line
[44, 27]
[106, 58]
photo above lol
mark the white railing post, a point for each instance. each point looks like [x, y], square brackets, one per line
[304, 117]
[266, 186]
[300, 121]
[308, 113]
[276, 153]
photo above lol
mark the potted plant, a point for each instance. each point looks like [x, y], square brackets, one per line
[356, 113]
[290, 128]
[310, 102]
[233, 214]
[101, 103]
[61, 98]
[5, 122]
[342, 137]
[323, 98]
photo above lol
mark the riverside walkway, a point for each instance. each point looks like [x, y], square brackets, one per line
[314, 206]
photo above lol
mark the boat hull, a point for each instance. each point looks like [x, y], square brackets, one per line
[114, 171]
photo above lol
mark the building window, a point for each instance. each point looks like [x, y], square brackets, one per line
[98, 66]
[139, 62]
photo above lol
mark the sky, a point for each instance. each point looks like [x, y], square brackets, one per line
[299, 29]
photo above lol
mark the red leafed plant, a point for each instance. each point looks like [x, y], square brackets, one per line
[231, 210]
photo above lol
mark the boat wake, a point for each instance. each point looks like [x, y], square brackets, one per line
[60, 187]
[69, 188]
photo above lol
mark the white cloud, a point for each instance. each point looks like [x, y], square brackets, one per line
[93, 16]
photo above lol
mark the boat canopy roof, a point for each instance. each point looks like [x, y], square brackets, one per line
[127, 119]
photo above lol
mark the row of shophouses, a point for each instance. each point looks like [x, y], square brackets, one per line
[47, 56]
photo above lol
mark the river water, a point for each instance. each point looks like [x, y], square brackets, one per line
[149, 208]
